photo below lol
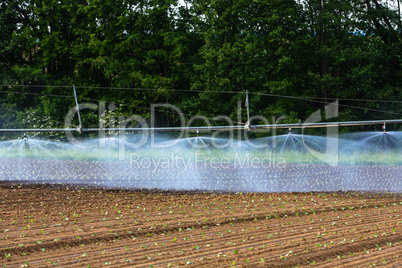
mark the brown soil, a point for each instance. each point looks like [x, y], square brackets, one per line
[45, 225]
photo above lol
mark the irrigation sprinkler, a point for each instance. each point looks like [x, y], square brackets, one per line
[25, 138]
[290, 130]
[383, 127]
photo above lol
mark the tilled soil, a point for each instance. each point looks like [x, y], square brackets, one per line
[44, 225]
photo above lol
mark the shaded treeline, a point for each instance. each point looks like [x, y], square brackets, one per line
[318, 49]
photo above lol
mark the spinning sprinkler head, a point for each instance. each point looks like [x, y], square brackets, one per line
[383, 127]
[197, 132]
[25, 138]
[290, 130]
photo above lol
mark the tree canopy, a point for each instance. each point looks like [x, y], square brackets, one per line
[200, 55]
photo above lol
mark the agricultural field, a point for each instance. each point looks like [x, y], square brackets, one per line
[66, 225]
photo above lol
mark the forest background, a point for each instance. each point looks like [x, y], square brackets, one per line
[293, 57]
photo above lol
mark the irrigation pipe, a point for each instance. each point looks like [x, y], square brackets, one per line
[212, 128]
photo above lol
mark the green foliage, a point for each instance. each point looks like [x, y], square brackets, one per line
[320, 49]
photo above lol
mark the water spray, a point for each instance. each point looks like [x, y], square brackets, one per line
[25, 138]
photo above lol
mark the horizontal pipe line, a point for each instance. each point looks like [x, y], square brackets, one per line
[39, 130]
[331, 124]
[226, 128]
